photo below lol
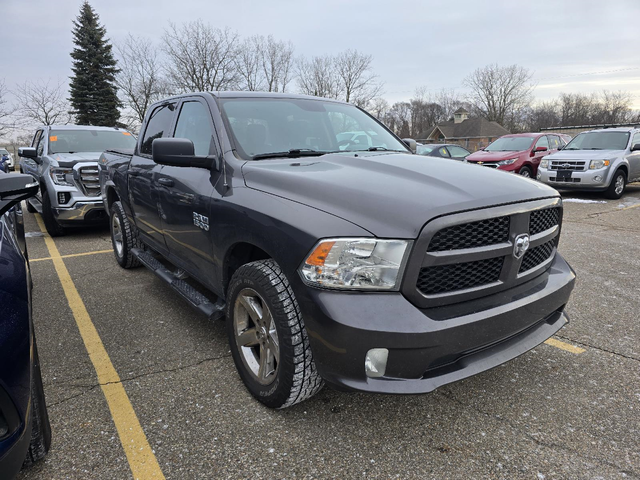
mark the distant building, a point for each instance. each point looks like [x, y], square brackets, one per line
[471, 133]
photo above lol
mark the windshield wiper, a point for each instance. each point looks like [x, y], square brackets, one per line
[293, 153]
[592, 148]
[378, 149]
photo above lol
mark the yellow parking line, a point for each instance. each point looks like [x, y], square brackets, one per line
[31, 260]
[627, 208]
[564, 346]
[142, 461]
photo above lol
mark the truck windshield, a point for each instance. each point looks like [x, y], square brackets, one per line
[73, 141]
[510, 144]
[267, 127]
[599, 141]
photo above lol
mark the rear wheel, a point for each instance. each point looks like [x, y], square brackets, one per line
[40, 426]
[267, 336]
[53, 227]
[124, 237]
[617, 185]
[526, 172]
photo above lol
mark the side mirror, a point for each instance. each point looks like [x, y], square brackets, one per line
[27, 152]
[635, 147]
[178, 152]
[411, 143]
[561, 147]
[540, 149]
[14, 188]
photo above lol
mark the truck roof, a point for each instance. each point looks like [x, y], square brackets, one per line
[244, 94]
[81, 127]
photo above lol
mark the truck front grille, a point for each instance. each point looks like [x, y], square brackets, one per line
[463, 256]
[89, 181]
[471, 235]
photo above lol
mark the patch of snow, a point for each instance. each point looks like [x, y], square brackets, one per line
[581, 200]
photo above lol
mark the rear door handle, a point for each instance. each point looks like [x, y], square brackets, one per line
[167, 182]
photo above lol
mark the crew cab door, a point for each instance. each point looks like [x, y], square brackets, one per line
[143, 176]
[186, 194]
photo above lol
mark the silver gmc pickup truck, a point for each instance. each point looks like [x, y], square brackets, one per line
[63, 159]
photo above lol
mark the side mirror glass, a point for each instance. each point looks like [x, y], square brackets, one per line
[27, 152]
[178, 152]
[561, 147]
[411, 143]
[14, 188]
[636, 147]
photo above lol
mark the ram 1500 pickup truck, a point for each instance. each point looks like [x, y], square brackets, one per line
[357, 264]
[63, 159]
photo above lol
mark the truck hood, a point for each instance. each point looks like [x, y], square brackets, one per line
[482, 156]
[390, 195]
[70, 159]
[585, 155]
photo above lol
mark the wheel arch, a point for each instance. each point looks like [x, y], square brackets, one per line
[241, 253]
[111, 197]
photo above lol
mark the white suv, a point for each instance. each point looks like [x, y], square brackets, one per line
[599, 160]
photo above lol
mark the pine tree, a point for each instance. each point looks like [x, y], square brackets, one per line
[94, 95]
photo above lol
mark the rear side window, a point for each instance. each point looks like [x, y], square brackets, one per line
[158, 126]
[443, 152]
[554, 142]
[542, 142]
[194, 123]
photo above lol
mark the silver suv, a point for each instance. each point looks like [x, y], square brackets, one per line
[600, 160]
[64, 160]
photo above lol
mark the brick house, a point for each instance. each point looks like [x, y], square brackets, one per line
[470, 133]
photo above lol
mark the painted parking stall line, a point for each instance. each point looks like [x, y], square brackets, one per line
[142, 461]
[567, 347]
[95, 252]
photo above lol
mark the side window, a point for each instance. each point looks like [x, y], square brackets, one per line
[194, 123]
[443, 152]
[554, 142]
[36, 138]
[542, 142]
[636, 139]
[458, 152]
[158, 126]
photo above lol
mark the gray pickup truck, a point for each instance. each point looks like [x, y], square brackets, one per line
[63, 159]
[355, 263]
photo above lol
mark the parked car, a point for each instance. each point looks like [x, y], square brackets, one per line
[602, 160]
[25, 433]
[518, 153]
[443, 150]
[372, 269]
[9, 163]
[63, 159]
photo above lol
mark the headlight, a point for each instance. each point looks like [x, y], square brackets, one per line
[62, 176]
[507, 162]
[596, 164]
[544, 163]
[356, 264]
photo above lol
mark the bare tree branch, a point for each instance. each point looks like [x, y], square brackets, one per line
[5, 109]
[318, 77]
[200, 57]
[140, 81]
[356, 81]
[43, 102]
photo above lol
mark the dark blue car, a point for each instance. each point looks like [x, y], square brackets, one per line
[25, 433]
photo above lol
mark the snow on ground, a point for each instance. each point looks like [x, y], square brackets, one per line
[581, 200]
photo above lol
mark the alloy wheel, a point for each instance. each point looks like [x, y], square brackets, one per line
[116, 234]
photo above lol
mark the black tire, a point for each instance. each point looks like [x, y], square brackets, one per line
[40, 426]
[613, 191]
[53, 227]
[124, 240]
[295, 377]
[526, 172]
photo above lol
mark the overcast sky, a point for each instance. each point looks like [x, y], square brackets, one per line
[571, 46]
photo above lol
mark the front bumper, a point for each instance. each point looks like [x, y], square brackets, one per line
[88, 212]
[429, 348]
[582, 180]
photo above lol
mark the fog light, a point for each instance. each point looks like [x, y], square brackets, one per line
[597, 178]
[63, 197]
[375, 363]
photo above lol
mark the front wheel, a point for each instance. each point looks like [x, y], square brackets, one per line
[53, 227]
[124, 237]
[617, 185]
[526, 172]
[267, 336]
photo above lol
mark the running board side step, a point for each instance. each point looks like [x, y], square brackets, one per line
[213, 311]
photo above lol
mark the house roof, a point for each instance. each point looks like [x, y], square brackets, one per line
[460, 110]
[473, 127]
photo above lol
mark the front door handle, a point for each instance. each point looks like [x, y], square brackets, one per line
[167, 182]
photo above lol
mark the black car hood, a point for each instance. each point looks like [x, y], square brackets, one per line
[390, 195]
[70, 159]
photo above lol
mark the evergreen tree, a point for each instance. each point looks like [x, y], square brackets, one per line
[94, 94]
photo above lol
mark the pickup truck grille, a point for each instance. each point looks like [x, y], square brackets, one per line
[567, 165]
[458, 257]
[89, 181]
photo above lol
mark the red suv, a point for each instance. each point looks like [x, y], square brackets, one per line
[518, 153]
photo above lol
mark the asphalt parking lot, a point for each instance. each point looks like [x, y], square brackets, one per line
[568, 409]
